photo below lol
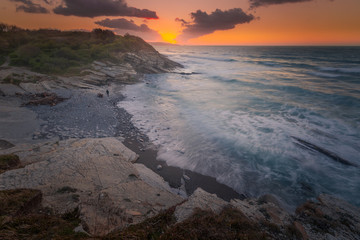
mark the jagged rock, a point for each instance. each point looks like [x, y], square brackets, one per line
[150, 62]
[261, 211]
[199, 199]
[330, 218]
[108, 192]
[251, 208]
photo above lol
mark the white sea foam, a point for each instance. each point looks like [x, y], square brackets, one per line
[236, 122]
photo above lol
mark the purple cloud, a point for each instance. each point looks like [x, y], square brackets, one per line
[204, 23]
[259, 3]
[30, 7]
[96, 8]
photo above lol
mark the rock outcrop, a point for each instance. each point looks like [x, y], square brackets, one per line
[329, 218]
[98, 177]
[95, 175]
[199, 199]
[150, 62]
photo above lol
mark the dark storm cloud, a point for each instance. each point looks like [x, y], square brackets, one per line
[204, 23]
[183, 22]
[95, 8]
[123, 24]
[30, 7]
[259, 3]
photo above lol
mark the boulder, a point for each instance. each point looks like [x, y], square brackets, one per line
[199, 200]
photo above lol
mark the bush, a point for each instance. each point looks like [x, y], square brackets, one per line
[9, 161]
[24, 54]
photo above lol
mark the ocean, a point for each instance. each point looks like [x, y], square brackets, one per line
[279, 120]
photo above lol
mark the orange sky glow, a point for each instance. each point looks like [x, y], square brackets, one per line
[308, 22]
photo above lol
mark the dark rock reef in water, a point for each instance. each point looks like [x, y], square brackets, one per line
[312, 147]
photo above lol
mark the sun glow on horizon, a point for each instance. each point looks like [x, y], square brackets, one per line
[325, 22]
[169, 37]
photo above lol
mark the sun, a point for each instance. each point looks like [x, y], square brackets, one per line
[168, 37]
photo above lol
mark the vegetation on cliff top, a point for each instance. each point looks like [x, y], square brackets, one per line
[55, 51]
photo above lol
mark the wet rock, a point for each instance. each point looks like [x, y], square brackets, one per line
[186, 177]
[307, 145]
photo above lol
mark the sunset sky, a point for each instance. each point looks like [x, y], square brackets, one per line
[204, 22]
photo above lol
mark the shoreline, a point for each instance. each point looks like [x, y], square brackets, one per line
[139, 143]
[82, 159]
[84, 115]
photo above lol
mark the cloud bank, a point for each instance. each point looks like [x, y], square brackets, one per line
[123, 25]
[95, 8]
[259, 3]
[30, 7]
[204, 23]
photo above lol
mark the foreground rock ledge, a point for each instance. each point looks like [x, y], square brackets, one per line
[328, 218]
[95, 175]
[98, 177]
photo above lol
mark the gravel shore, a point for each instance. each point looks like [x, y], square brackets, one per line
[85, 115]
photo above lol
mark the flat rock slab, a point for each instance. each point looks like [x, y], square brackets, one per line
[96, 175]
[17, 122]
